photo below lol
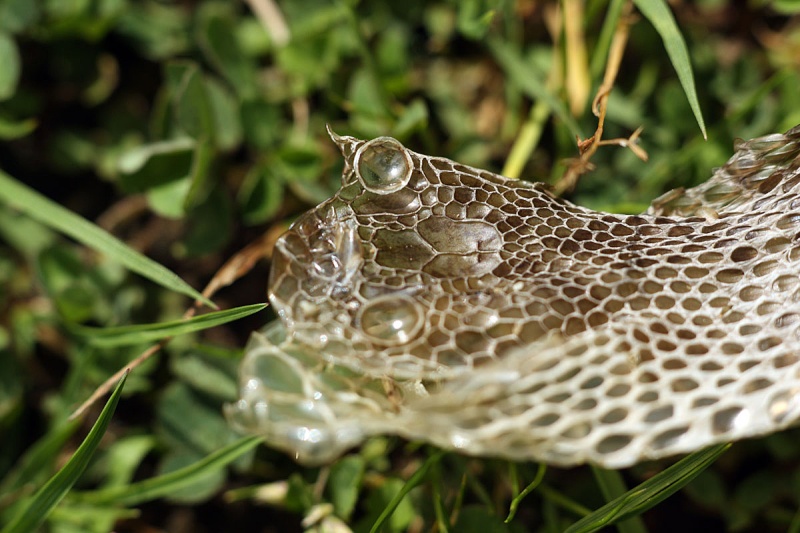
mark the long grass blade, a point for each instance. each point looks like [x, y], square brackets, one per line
[143, 333]
[659, 15]
[33, 515]
[651, 492]
[164, 485]
[613, 486]
[519, 72]
[40, 208]
[417, 478]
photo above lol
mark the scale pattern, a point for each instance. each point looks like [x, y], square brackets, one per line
[445, 303]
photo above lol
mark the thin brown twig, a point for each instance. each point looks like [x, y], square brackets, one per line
[588, 147]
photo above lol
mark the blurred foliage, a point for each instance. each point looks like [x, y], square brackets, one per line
[189, 129]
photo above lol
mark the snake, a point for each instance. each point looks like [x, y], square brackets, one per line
[438, 302]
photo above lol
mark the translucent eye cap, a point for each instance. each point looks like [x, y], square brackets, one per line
[383, 165]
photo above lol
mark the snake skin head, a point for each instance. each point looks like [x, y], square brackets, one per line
[412, 240]
[440, 302]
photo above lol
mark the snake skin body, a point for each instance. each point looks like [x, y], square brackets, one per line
[441, 302]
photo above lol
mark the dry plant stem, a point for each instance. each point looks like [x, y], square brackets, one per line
[589, 146]
[108, 384]
[300, 111]
[236, 267]
[577, 81]
[270, 16]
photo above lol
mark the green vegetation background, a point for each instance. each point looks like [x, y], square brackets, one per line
[192, 129]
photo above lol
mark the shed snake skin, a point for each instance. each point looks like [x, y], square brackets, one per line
[440, 302]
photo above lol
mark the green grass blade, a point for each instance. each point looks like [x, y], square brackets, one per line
[512, 511]
[519, 72]
[613, 486]
[417, 478]
[143, 333]
[46, 498]
[164, 485]
[604, 41]
[38, 207]
[659, 15]
[651, 492]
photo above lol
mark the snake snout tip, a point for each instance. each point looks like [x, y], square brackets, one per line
[332, 134]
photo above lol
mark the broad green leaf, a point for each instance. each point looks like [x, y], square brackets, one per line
[210, 225]
[67, 518]
[144, 333]
[216, 37]
[125, 456]
[57, 217]
[202, 487]
[298, 161]
[651, 492]
[17, 15]
[68, 283]
[261, 194]
[189, 424]
[46, 498]
[9, 66]
[27, 236]
[161, 486]
[345, 484]
[169, 199]
[11, 129]
[191, 427]
[136, 159]
[203, 155]
[212, 375]
[660, 16]
[390, 494]
[531, 83]
[413, 118]
[159, 30]
[786, 7]
[474, 18]
[261, 124]
[192, 105]
[225, 107]
[367, 96]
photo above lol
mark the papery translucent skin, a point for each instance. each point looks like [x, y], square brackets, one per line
[445, 303]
